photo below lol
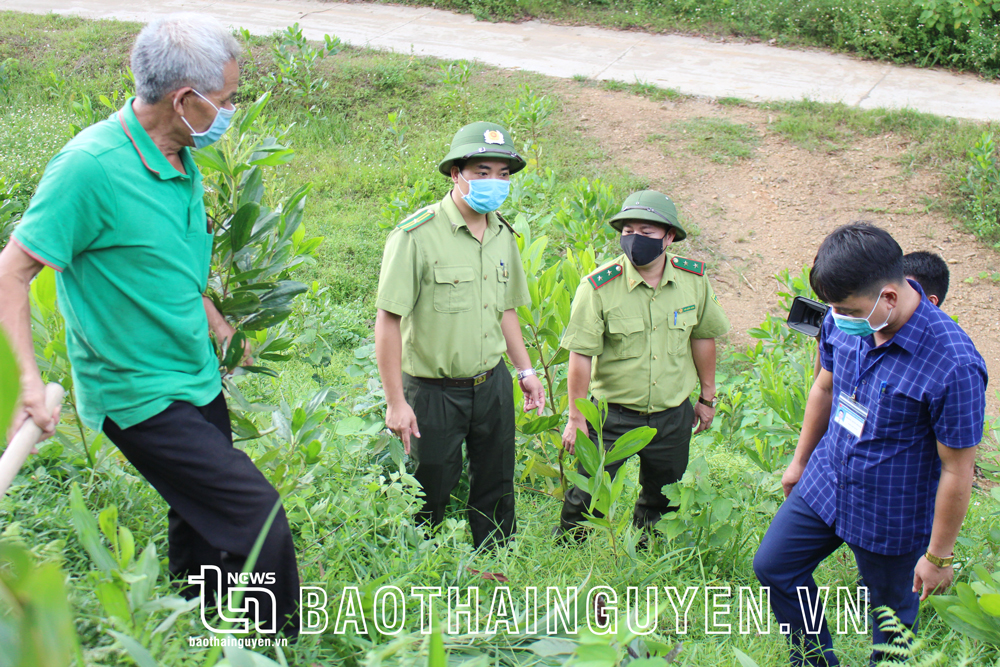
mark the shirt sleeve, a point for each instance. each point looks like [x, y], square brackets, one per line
[399, 279]
[517, 287]
[825, 346]
[957, 415]
[71, 206]
[712, 320]
[585, 332]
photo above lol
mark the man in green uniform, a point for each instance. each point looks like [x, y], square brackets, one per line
[450, 283]
[641, 335]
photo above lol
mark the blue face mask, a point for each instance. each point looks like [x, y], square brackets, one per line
[486, 194]
[215, 130]
[859, 326]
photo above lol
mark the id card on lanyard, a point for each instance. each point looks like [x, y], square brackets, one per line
[851, 415]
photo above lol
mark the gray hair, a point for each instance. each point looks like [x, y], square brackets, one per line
[181, 50]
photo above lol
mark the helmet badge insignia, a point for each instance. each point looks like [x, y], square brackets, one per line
[493, 137]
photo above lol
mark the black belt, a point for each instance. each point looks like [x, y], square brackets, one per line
[459, 382]
[628, 411]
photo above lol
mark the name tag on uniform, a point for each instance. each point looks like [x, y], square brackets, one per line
[851, 415]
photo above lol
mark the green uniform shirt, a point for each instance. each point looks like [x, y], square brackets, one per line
[451, 291]
[128, 235]
[640, 336]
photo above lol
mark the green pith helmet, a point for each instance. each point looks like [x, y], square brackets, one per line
[649, 206]
[482, 140]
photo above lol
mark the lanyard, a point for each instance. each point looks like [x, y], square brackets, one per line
[861, 374]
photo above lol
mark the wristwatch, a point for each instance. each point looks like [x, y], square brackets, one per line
[525, 373]
[710, 402]
[940, 562]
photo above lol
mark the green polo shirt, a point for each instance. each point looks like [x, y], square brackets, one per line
[640, 337]
[128, 235]
[451, 291]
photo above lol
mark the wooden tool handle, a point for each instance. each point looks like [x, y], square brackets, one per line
[26, 437]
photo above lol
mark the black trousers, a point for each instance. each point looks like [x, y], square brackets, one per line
[661, 462]
[482, 417]
[219, 502]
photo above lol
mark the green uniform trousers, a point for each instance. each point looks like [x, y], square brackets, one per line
[661, 462]
[483, 417]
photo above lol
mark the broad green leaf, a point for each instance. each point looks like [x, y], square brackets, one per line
[990, 604]
[126, 545]
[745, 660]
[135, 650]
[589, 412]
[252, 186]
[630, 443]
[211, 159]
[721, 536]
[266, 318]
[253, 111]
[242, 224]
[88, 532]
[436, 656]
[283, 294]
[552, 646]
[586, 453]
[240, 304]
[114, 601]
[539, 424]
[10, 385]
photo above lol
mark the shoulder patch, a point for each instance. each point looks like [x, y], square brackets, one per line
[605, 275]
[415, 220]
[689, 265]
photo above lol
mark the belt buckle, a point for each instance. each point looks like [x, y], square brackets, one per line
[479, 379]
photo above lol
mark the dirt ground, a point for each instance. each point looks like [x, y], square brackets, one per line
[770, 212]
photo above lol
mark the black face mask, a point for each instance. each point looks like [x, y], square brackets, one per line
[641, 250]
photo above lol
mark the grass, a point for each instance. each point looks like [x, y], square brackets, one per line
[350, 509]
[718, 139]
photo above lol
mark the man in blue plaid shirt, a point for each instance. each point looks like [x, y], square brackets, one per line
[886, 456]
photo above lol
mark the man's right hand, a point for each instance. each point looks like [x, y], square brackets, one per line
[791, 477]
[32, 406]
[569, 435]
[402, 421]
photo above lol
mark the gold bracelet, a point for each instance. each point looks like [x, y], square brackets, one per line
[939, 562]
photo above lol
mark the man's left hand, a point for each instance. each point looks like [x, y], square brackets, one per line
[534, 394]
[703, 416]
[929, 579]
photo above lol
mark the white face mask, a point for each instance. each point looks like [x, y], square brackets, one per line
[860, 326]
[215, 131]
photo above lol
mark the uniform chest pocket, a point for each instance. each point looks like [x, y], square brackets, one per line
[454, 291]
[627, 336]
[679, 327]
[503, 277]
[897, 410]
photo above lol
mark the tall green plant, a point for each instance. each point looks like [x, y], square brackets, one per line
[259, 236]
[605, 493]
[981, 185]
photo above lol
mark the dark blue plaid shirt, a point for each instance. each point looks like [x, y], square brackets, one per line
[926, 385]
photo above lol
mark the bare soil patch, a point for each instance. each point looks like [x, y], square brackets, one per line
[759, 215]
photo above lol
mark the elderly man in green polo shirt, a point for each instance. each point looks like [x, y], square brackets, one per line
[641, 336]
[119, 215]
[450, 283]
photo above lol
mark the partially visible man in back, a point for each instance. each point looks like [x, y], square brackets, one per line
[119, 215]
[931, 271]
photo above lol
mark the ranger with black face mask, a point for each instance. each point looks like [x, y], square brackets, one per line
[641, 336]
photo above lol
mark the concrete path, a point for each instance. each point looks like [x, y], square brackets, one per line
[693, 66]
